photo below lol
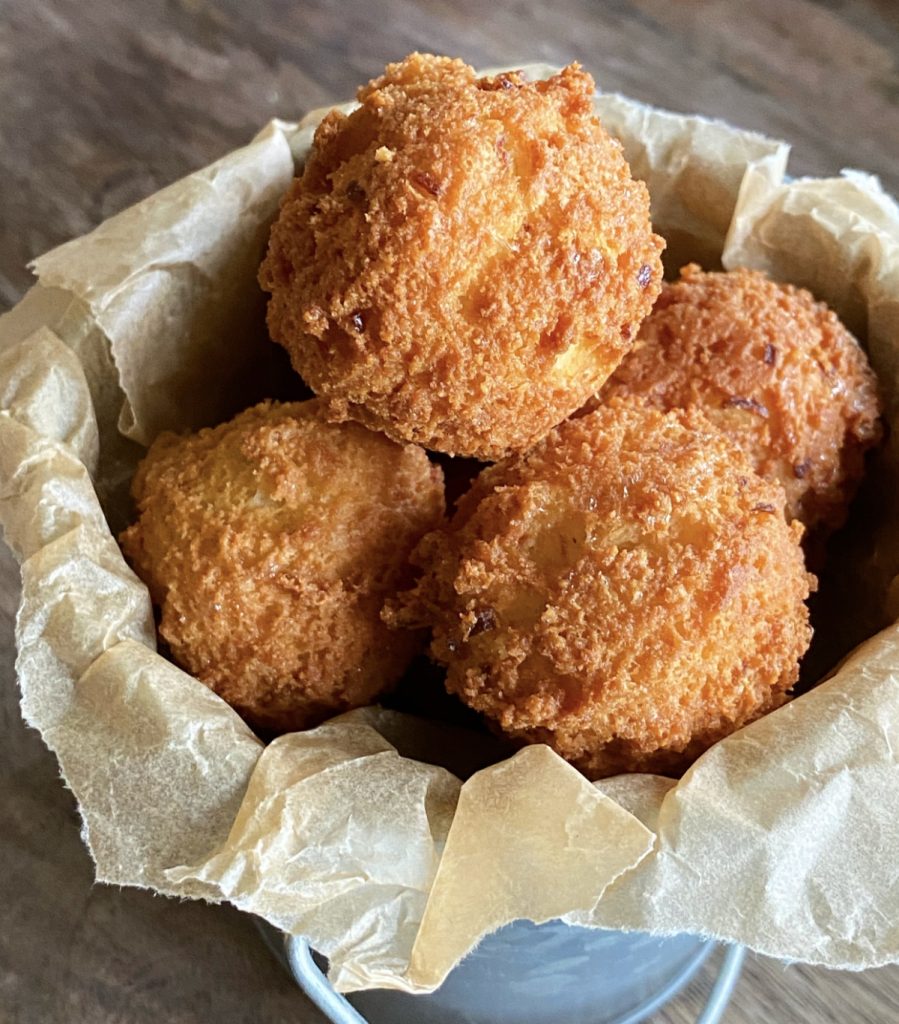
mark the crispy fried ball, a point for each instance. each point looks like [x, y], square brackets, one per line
[270, 544]
[774, 369]
[628, 592]
[463, 261]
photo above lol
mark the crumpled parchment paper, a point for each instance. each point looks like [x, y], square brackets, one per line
[782, 837]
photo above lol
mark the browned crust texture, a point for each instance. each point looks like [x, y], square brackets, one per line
[270, 544]
[629, 592]
[772, 367]
[463, 261]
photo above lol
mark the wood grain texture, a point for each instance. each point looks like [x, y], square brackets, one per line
[105, 102]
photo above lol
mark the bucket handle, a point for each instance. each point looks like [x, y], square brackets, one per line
[339, 1010]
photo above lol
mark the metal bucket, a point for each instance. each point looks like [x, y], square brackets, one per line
[537, 974]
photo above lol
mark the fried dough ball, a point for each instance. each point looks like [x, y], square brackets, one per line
[774, 369]
[270, 544]
[628, 592]
[463, 261]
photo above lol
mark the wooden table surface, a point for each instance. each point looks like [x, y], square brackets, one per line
[104, 102]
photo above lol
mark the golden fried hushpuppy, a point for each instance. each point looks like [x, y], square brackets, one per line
[627, 592]
[463, 261]
[774, 369]
[269, 544]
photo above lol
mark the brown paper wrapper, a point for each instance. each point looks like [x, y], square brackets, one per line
[781, 837]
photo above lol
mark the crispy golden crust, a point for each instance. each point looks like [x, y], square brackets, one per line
[774, 369]
[463, 262]
[270, 544]
[628, 592]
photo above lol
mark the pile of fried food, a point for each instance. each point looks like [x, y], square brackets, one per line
[466, 265]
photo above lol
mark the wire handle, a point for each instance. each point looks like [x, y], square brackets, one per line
[339, 1010]
[333, 1005]
[725, 983]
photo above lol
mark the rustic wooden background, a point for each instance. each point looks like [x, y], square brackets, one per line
[101, 103]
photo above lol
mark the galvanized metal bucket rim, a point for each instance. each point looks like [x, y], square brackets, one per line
[297, 955]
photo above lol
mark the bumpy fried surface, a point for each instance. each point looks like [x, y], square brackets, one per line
[463, 262]
[628, 592]
[774, 369]
[270, 544]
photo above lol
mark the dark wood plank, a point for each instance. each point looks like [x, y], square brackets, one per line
[105, 102]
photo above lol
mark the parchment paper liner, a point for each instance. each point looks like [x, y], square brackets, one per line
[782, 837]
